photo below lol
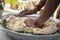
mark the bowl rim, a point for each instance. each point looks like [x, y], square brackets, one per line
[26, 34]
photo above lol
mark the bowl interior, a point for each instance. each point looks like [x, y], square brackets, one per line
[4, 24]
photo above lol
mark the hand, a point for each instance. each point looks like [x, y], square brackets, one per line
[27, 12]
[33, 23]
[38, 24]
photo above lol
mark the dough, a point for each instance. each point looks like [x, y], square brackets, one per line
[17, 24]
[28, 29]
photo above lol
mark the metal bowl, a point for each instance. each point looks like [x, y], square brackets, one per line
[27, 36]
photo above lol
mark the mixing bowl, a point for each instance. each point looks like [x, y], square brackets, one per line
[26, 36]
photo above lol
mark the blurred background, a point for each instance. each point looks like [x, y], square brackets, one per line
[19, 5]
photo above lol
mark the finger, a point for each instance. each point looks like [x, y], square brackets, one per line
[24, 10]
[37, 24]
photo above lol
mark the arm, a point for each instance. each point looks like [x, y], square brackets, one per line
[37, 8]
[49, 9]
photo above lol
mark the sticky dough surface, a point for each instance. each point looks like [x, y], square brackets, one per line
[17, 24]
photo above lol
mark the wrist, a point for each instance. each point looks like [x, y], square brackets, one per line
[38, 24]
